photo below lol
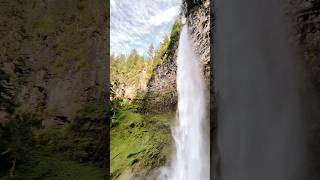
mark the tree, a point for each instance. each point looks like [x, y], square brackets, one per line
[159, 54]
[151, 52]
[16, 138]
[132, 58]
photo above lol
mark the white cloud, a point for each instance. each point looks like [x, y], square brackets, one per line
[137, 25]
[164, 16]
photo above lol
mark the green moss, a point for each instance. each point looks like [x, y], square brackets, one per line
[144, 146]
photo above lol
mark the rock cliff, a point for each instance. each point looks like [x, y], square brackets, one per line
[55, 52]
[306, 15]
[198, 19]
[162, 94]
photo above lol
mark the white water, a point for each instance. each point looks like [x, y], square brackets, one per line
[191, 132]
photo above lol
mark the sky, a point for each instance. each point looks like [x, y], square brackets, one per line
[135, 24]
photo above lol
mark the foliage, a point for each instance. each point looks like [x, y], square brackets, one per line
[16, 138]
[76, 146]
[139, 142]
[174, 36]
[45, 165]
[83, 139]
[62, 152]
[89, 131]
[191, 5]
[138, 102]
[167, 47]
[129, 71]
[159, 54]
[133, 70]
[58, 37]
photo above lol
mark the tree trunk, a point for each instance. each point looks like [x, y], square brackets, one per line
[13, 167]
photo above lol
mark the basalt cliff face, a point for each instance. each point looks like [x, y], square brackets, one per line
[55, 53]
[161, 93]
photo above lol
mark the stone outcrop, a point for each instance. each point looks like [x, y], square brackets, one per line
[55, 53]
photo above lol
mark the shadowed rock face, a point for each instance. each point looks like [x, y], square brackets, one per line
[55, 52]
[307, 17]
[268, 110]
[260, 115]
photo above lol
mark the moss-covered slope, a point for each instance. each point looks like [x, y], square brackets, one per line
[139, 144]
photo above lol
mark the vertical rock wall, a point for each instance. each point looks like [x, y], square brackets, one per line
[55, 52]
[161, 95]
[198, 20]
[306, 15]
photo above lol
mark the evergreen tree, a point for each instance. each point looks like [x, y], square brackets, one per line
[151, 52]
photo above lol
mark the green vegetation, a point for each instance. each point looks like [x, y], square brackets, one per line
[174, 37]
[134, 69]
[127, 70]
[69, 40]
[139, 142]
[29, 150]
[191, 6]
[50, 166]
[74, 151]
[44, 42]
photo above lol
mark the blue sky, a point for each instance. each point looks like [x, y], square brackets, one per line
[138, 23]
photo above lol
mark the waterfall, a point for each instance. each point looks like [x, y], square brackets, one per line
[191, 160]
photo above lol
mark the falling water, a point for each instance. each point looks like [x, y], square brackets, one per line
[191, 158]
[257, 90]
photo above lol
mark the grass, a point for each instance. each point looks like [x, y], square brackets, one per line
[139, 142]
